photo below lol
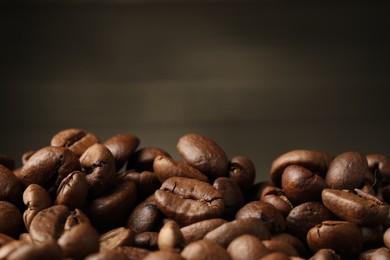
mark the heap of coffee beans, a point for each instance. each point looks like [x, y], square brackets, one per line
[80, 198]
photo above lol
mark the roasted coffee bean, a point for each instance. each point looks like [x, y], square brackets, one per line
[164, 255]
[199, 229]
[280, 246]
[75, 140]
[189, 200]
[227, 232]
[266, 212]
[147, 182]
[4, 239]
[11, 247]
[315, 161]
[51, 223]
[36, 199]
[10, 186]
[360, 208]
[146, 240]
[386, 238]
[347, 171]
[120, 253]
[276, 197]
[372, 236]
[204, 249]
[79, 241]
[247, 247]
[379, 165]
[117, 237]
[122, 147]
[165, 167]
[11, 221]
[232, 195]
[203, 154]
[293, 241]
[143, 159]
[305, 216]
[301, 185]
[73, 190]
[381, 253]
[242, 171]
[46, 250]
[345, 238]
[170, 237]
[276, 256]
[99, 165]
[113, 206]
[26, 156]
[48, 166]
[144, 217]
[7, 162]
[325, 254]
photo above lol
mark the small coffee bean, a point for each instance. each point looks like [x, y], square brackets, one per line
[73, 190]
[4, 239]
[255, 191]
[11, 222]
[75, 140]
[203, 154]
[144, 217]
[204, 249]
[199, 229]
[116, 237]
[10, 186]
[36, 199]
[7, 249]
[170, 237]
[122, 147]
[247, 247]
[276, 256]
[242, 171]
[143, 159]
[232, 195]
[379, 165]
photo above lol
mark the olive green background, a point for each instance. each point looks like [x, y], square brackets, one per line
[259, 77]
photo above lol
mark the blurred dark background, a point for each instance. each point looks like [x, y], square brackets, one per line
[258, 77]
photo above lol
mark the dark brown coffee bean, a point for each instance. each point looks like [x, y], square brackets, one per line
[79, 241]
[147, 182]
[10, 186]
[46, 250]
[227, 232]
[379, 164]
[347, 171]
[112, 206]
[4, 239]
[73, 190]
[170, 237]
[189, 200]
[293, 241]
[36, 199]
[361, 208]
[242, 171]
[144, 217]
[146, 240]
[143, 159]
[199, 229]
[232, 195]
[278, 199]
[305, 216]
[325, 254]
[116, 237]
[75, 140]
[120, 253]
[345, 238]
[266, 212]
[165, 167]
[246, 247]
[380, 253]
[7, 162]
[372, 236]
[51, 223]
[99, 165]
[11, 222]
[280, 246]
[122, 147]
[204, 249]
[48, 166]
[203, 154]
[314, 161]
[301, 185]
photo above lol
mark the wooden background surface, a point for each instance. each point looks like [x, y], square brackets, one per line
[259, 77]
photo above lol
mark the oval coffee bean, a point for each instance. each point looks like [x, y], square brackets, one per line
[11, 222]
[164, 255]
[347, 171]
[143, 159]
[46, 250]
[189, 200]
[75, 140]
[115, 238]
[372, 236]
[146, 240]
[247, 247]
[232, 195]
[120, 253]
[280, 246]
[343, 237]
[278, 199]
[36, 199]
[10, 186]
[165, 167]
[325, 254]
[242, 171]
[144, 217]
[203, 154]
[199, 229]
[361, 208]
[301, 185]
[99, 165]
[315, 161]
[204, 249]
[73, 190]
[122, 147]
[227, 232]
[170, 237]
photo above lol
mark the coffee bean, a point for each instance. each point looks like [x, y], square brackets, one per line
[373, 254]
[170, 237]
[7, 249]
[76, 140]
[325, 254]
[276, 256]
[359, 208]
[143, 159]
[242, 171]
[372, 236]
[276, 197]
[247, 247]
[120, 253]
[73, 190]
[204, 249]
[189, 200]
[10, 186]
[11, 222]
[232, 195]
[164, 255]
[26, 156]
[122, 147]
[280, 246]
[146, 240]
[345, 238]
[117, 237]
[36, 199]
[199, 229]
[165, 168]
[144, 217]
[203, 154]
[46, 250]
[147, 182]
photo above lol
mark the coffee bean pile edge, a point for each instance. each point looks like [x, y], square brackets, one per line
[80, 198]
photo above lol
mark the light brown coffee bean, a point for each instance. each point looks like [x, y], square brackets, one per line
[247, 247]
[144, 217]
[170, 237]
[122, 147]
[11, 222]
[36, 199]
[204, 249]
[116, 237]
[164, 255]
[73, 190]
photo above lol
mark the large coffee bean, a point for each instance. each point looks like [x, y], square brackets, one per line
[247, 247]
[75, 140]
[315, 161]
[165, 168]
[122, 147]
[143, 159]
[375, 254]
[145, 216]
[189, 200]
[242, 171]
[11, 222]
[204, 249]
[203, 154]
[345, 238]
[360, 208]
[347, 171]
[199, 229]
[36, 199]
[232, 195]
[73, 190]
[276, 197]
[10, 186]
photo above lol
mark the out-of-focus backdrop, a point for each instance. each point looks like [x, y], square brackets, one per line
[258, 77]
